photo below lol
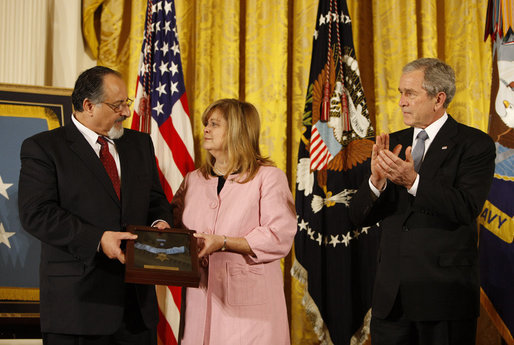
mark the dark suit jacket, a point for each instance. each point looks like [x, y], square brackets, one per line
[67, 200]
[428, 248]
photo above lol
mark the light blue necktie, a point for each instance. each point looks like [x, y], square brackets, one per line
[419, 149]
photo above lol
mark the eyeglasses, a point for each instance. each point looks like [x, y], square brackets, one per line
[118, 106]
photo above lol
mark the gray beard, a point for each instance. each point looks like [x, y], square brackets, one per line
[115, 133]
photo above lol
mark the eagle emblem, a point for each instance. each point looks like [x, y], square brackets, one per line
[341, 141]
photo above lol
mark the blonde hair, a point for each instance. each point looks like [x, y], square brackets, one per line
[241, 140]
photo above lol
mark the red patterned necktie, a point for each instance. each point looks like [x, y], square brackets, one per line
[109, 164]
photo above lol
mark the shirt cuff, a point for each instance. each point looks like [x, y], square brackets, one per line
[157, 221]
[374, 189]
[414, 189]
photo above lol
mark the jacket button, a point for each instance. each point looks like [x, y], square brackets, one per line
[214, 204]
[405, 228]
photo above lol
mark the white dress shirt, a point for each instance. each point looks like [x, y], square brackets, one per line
[92, 137]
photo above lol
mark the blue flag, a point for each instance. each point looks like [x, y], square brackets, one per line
[334, 260]
[496, 245]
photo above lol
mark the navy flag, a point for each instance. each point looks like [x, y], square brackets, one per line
[335, 260]
[496, 245]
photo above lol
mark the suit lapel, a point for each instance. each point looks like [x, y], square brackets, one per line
[123, 147]
[83, 150]
[131, 170]
[405, 139]
[442, 145]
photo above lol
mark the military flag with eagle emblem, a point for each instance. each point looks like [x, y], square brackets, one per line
[334, 260]
[496, 241]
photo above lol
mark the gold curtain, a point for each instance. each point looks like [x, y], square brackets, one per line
[260, 51]
[389, 34]
[249, 50]
[113, 31]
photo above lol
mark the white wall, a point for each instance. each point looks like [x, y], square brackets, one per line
[41, 42]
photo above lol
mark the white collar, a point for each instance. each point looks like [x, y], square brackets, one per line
[90, 135]
[433, 128]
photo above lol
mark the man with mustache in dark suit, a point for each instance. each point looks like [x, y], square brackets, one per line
[79, 185]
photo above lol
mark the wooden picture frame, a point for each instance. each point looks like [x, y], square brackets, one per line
[162, 257]
[24, 111]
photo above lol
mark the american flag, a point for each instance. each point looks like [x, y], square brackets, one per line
[161, 109]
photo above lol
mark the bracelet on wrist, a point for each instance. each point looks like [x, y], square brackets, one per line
[224, 247]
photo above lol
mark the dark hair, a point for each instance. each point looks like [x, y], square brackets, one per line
[89, 85]
[439, 77]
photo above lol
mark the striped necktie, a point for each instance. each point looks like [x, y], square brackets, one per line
[419, 149]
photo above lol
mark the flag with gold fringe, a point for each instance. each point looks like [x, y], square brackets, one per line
[334, 261]
[496, 226]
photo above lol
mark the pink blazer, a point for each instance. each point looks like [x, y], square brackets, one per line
[241, 298]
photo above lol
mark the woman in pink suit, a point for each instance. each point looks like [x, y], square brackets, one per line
[243, 212]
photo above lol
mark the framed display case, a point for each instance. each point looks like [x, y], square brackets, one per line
[162, 257]
[24, 111]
